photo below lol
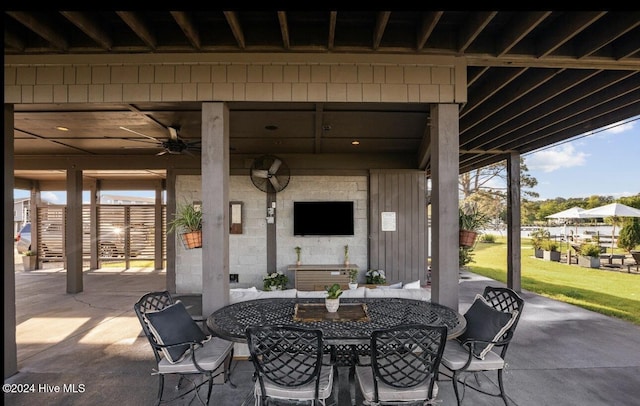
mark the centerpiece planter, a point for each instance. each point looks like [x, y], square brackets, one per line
[332, 301]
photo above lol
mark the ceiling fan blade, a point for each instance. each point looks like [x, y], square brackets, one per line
[274, 166]
[260, 173]
[144, 135]
[173, 133]
[275, 183]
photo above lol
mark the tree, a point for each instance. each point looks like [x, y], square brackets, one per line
[630, 234]
[486, 188]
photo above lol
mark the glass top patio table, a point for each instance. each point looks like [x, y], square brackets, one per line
[230, 322]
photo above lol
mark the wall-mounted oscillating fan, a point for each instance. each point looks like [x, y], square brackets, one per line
[269, 173]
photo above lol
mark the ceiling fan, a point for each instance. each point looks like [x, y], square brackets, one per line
[269, 173]
[173, 145]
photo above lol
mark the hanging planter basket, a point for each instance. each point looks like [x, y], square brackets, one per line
[467, 238]
[192, 240]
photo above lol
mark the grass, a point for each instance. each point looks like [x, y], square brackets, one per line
[612, 293]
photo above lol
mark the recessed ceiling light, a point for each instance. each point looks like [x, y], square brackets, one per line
[59, 128]
[271, 127]
[355, 142]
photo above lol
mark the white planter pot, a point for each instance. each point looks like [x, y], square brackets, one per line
[353, 286]
[332, 305]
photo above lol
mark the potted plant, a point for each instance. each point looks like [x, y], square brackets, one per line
[275, 281]
[589, 256]
[346, 255]
[29, 260]
[538, 237]
[471, 221]
[188, 220]
[551, 252]
[353, 278]
[375, 277]
[298, 250]
[332, 301]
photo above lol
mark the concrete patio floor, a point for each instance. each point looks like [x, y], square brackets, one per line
[92, 343]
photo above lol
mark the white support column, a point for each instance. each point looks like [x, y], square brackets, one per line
[215, 206]
[445, 264]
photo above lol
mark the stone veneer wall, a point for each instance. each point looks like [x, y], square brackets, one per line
[248, 251]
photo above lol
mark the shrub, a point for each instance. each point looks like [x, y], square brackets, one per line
[465, 256]
[590, 250]
[549, 245]
[630, 234]
[488, 238]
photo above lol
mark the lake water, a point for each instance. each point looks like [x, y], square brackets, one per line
[580, 231]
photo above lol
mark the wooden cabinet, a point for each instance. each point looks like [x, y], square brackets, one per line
[316, 277]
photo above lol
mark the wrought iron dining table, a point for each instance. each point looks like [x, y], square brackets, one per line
[230, 322]
[347, 332]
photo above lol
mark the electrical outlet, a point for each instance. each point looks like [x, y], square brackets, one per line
[233, 278]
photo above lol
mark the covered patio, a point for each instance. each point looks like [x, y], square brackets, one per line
[510, 84]
[561, 355]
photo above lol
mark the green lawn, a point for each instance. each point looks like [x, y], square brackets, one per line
[612, 293]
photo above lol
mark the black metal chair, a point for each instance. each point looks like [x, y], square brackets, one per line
[491, 322]
[289, 365]
[403, 366]
[179, 344]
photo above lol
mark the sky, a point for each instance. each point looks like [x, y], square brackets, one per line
[603, 163]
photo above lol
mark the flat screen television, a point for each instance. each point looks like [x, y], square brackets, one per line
[323, 218]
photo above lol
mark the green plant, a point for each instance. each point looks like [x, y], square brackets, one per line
[538, 236]
[375, 277]
[334, 291]
[298, 250]
[346, 253]
[488, 238]
[275, 280]
[472, 219]
[188, 218]
[590, 250]
[550, 245]
[465, 256]
[29, 253]
[353, 275]
[629, 235]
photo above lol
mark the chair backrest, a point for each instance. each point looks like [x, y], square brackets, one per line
[636, 256]
[505, 300]
[408, 355]
[152, 302]
[285, 355]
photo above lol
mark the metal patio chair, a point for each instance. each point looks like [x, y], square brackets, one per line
[403, 366]
[179, 344]
[289, 365]
[491, 322]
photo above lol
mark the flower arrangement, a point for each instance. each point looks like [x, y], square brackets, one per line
[275, 281]
[29, 253]
[346, 254]
[375, 277]
[353, 275]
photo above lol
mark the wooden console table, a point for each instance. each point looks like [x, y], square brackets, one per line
[307, 277]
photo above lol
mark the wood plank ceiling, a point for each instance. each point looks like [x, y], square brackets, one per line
[535, 78]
